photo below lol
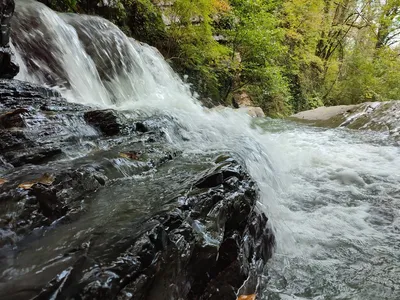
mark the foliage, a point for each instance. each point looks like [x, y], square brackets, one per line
[257, 38]
[288, 55]
[197, 53]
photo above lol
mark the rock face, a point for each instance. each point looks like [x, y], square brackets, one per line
[242, 99]
[96, 204]
[243, 102]
[107, 121]
[31, 130]
[377, 116]
[254, 111]
[8, 68]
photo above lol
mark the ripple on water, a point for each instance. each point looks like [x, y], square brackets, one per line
[341, 209]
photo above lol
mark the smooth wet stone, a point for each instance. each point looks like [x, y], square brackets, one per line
[108, 122]
[374, 116]
[204, 248]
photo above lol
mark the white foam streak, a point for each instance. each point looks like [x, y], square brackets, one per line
[331, 196]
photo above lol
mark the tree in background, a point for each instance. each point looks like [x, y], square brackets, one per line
[287, 55]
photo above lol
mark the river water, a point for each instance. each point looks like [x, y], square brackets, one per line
[332, 196]
[339, 215]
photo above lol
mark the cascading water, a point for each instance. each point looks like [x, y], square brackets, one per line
[332, 196]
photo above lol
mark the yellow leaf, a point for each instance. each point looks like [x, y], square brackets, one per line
[46, 179]
[247, 297]
[26, 185]
[2, 181]
[130, 155]
[221, 5]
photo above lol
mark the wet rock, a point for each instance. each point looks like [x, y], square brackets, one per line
[15, 94]
[108, 122]
[216, 177]
[50, 206]
[7, 237]
[18, 149]
[207, 247]
[13, 118]
[8, 67]
[34, 205]
[35, 155]
[141, 127]
[36, 123]
[202, 242]
[13, 140]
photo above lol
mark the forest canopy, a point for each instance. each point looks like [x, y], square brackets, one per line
[287, 56]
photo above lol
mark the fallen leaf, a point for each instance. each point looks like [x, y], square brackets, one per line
[26, 185]
[2, 181]
[247, 297]
[130, 155]
[46, 179]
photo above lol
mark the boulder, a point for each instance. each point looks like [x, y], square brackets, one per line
[13, 118]
[108, 121]
[253, 111]
[29, 134]
[8, 68]
[375, 116]
[209, 244]
[242, 99]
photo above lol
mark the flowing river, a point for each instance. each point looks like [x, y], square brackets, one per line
[332, 196]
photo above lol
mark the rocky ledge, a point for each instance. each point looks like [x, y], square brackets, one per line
[96, 204]
[377, 116]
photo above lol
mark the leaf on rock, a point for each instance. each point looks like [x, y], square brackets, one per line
[247, 297]
[26, 185]
[130, 155]
[46, 179]
[2, 181]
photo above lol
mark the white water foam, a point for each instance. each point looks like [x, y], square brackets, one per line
[332, 197]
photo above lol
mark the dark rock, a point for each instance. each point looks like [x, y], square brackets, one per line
[202, 240]
[13, 140]
[141, 127]
[44, 203]
[16, 94]
[6, 11]
[108, 122]
[13, 118]
[8, 68]
[36, 123]
[179, 254]
[35, 155]
[49, 204]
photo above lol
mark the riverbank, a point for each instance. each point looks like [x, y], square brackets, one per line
[376, 116]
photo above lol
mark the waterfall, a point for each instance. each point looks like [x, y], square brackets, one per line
[91, 61]
[329, 194]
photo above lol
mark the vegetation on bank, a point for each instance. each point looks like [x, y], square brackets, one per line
[288, 55]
